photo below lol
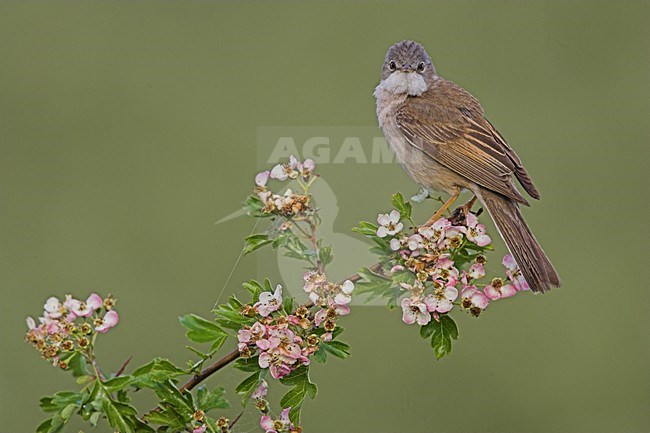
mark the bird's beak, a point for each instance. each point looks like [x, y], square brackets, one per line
[407, 68]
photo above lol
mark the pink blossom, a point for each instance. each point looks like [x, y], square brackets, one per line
[200, 429]
[280, 172]
[414, 310]
[389, 224]
[267, 424]
[415, 242]
[262, 178]
[395, 244]
[320, 316]
[344, 298]
[514, 274]
[269, 302]
[53, 308]
[31, 323]
[474, 297]
[441, 301]
[84, 309]
[476, 232]
[261, 390]
[309, 165]
[278, 371]
[497, 290]
[109, 320]
[477, 271]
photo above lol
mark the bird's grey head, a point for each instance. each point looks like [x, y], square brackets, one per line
[407, 69]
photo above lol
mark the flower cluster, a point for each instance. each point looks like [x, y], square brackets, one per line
[431, 254]
[289, 203]
[267, 422]
[332, 298]
[70, 325]
[280, 424]
[285, 341]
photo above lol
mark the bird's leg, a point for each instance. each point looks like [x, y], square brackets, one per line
[460, 213]
[468, 206]
[442, 209]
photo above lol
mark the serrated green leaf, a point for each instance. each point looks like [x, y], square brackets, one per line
[254, 288]
[201, 330]
[117, 383]
[320, 355]
[76, 363]
[248, 386]
[253, 242]
[116, 416]
[156, 371]
[427, 330]
[443, 331]
[449, 325]
[254, 206]
[403, 207]
[325, 255]
[301, 386]
[337, 348]
[208, 400]
[366, 228]
[60, 400]
[247, 364]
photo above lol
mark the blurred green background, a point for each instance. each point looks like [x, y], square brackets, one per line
[129, 128]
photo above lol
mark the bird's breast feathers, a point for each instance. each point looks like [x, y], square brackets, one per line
[410, 83]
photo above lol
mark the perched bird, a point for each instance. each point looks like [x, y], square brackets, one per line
[444, 142]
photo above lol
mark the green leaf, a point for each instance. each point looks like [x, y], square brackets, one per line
[208, 400]
[229, 316]
[76, 363]
[117, 383]
[60, 400]
[366, 228]
[255, 289]
[337, 348]
[247, 364]
[442, 334]
[254, 242]
[254, 206]
[201, 330]
[325, 254]
[45, 426]
[248, 386]
[169, 418]
[218, 342]
[320, 355]
[427, 330]
[67, 411]
[301, 387]
[403, 207]
[119, 415]
[449, 326]
[156, 371]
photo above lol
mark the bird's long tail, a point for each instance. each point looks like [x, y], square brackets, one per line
[533, 263]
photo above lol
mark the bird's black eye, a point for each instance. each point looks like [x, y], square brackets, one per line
[392, 66]
[421, 67]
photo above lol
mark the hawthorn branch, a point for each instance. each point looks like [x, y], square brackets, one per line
[457, 215]
[232, 356]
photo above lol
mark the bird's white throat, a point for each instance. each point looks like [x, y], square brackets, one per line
[399, 82]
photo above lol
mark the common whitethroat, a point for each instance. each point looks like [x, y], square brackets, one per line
[444, 142]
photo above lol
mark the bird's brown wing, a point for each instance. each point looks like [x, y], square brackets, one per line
[448, 125]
